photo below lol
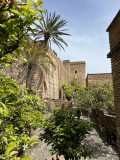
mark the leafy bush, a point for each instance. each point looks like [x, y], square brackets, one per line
[102, 96]
[68, 90]
[66, 134]
[82, 98]
[99, 96]
[18, 113]
[73, 82]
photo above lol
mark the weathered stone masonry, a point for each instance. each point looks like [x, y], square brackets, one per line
[48, 83]
[114, 39]
[76, 70]
[98, 78]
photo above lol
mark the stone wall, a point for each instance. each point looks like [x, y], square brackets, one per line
[47, 82]
[105, 124]
[76, 70]
[55, 77]
[16, 71]
[98, 78]
[114, 39]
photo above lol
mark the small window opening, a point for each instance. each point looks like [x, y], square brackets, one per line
[75, 71]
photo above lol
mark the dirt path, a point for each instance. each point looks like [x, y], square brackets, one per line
[101, 151]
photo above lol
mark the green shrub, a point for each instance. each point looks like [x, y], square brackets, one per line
[68, 90]
[73, 82]
[19, 112]
[102, 96]
[66, 134]
[99, 96]
[82, 98]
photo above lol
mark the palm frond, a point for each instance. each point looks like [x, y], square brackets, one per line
[61, 40]
[58, 44]
[51, 29]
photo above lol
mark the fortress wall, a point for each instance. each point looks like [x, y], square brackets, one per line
[56, 77]
[17, 71]
[77, 71]
[48, 83]
[99, 78]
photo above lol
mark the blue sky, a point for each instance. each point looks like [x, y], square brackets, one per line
[87, 23]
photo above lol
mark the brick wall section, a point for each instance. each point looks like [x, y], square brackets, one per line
[114, 38]
[114, 32]
[98, 78]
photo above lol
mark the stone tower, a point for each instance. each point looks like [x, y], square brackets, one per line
[75, 70]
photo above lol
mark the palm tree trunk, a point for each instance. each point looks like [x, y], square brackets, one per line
[46, 43]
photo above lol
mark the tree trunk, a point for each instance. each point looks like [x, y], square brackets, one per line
[46, 43]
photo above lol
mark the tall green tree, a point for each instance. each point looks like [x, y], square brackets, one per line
[51, 29]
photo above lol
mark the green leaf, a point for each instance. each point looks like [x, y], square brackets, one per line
[5, 110]
[13, 153]
[25, 158]
[33, 143]
[33, 138]
[29, 3]
[16, 12]
[10, 147]
[2, 25]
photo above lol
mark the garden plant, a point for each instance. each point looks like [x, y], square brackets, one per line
[65, 133]
[96, 95]
[19, 112]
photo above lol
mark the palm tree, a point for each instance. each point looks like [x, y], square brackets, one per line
[35, 57]
[50, 29]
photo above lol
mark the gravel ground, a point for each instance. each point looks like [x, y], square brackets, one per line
[101, 151]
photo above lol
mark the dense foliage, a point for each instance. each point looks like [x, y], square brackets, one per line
[15, 22]
[102, 96]
[83, 98]
[70, 88]
[99, 96]
[18, 113]
[65, 133]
